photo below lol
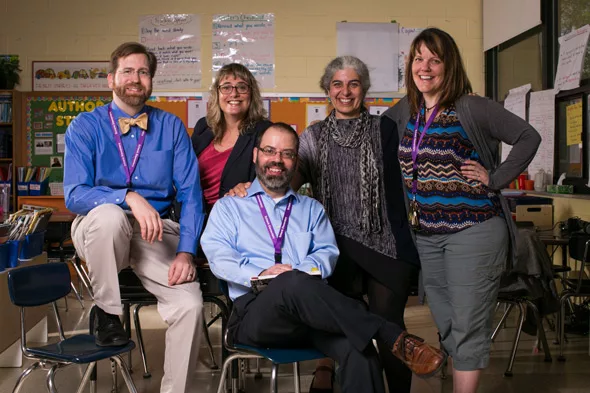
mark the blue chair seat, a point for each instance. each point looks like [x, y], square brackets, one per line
[283, 355]
[78, 349]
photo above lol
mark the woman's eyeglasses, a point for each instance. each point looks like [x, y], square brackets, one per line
[227, 89]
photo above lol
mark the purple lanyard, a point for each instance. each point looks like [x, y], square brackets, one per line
[128, 171]
[277, 241]
[416, 146]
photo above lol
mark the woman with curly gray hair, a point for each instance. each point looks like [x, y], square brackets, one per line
[349, 159]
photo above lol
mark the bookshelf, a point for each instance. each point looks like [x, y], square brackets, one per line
[9, 138]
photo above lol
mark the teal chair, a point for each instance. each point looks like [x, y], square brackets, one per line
[277, 356]
[39, 285]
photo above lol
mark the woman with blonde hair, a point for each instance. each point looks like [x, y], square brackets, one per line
[225, 139]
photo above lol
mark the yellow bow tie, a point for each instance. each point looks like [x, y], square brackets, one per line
[126, 122]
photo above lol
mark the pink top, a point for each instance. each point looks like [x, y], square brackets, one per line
[211, 164]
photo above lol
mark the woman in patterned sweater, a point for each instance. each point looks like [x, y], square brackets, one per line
[449, 145]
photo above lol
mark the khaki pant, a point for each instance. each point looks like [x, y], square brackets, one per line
[110, 240]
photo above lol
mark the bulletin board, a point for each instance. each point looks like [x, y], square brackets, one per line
[46, 116]
[293, 110]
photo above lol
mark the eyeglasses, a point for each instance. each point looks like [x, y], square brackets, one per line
[271, 152]
[129, 72]
[227, 89]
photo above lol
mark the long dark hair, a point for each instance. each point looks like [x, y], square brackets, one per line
[455, 81]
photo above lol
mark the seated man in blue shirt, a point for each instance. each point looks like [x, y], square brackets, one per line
[125, 163]
[275, 231]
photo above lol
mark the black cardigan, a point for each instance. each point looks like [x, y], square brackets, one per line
[239, 167]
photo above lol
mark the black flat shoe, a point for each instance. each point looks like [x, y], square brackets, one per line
[107, 329]
[318, 390]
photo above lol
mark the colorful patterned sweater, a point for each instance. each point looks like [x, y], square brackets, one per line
[448, 202]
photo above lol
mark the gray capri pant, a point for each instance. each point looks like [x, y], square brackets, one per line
[461, 276]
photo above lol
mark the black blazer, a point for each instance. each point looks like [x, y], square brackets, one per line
[239, 167]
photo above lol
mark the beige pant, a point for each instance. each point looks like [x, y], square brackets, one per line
[109, 240]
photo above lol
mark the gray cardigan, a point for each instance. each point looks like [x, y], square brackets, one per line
[487, 124]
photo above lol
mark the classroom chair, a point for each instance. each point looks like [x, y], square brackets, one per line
[277, 356]
[579, 250]
[39, 285]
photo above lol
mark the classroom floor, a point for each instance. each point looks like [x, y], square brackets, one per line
[531, 373]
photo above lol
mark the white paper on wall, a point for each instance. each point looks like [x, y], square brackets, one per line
[175, 39]
[572, 50]
[248, 39]
[377, 45]
[515, 102]
[542, 118]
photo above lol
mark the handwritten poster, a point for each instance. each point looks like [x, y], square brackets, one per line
[406, 36]
[367, 41]
[573, 123]
[542, 118]
[515, 102]
[572, 48]
[176, 41]
[248, 39]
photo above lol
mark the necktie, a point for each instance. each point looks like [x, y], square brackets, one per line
[126, 122]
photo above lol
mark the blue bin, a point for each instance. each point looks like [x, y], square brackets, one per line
[8, 254]
[22, 188]
[32, 245]
[38, 188]
[12, 251]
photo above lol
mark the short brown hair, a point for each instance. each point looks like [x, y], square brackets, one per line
[455, 81]
[256, 111]
[131, 48]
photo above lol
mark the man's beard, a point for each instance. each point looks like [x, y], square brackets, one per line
[135, 99]
[274, 182]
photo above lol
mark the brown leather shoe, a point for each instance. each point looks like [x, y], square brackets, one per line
[424, 360]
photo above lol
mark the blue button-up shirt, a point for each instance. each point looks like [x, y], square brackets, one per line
[238, 245]
[167, 168]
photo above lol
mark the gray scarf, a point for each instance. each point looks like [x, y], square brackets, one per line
[358, 135]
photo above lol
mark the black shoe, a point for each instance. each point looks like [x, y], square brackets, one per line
[107, 329]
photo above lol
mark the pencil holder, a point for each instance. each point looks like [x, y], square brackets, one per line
[22, 188]
[38, 188]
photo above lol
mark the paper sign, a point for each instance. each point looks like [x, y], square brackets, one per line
[515, 102]
[196, 110]
[315, 113]
[572, 49]
[573, 121]
[542, 118]
[377, 110]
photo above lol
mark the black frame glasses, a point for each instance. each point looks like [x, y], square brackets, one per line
[227, 89]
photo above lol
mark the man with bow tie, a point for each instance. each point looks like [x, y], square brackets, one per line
[125, 163]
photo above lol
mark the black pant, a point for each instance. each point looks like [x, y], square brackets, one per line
[299, 310]
[387, 283]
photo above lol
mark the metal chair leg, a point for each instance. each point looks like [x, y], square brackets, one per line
[51, 379]
[24, 376]
[82, 276]
[274, 378]
[226, 364]
[125, 373]
[77, 294]
[114, 387]
[502, 320]
[522, 308]
[214, 365]
[296, 377]
[258, 374]
[86, 377]
[563, 300]
[146, 372]
[540, 330]
[127, 325]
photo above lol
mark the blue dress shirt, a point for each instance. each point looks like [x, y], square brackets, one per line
[238, 245]
[167, 168]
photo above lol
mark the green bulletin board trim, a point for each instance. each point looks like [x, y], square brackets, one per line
[49, 116]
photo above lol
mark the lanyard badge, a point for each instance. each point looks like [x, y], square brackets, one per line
[414, 208]
[277, 241]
